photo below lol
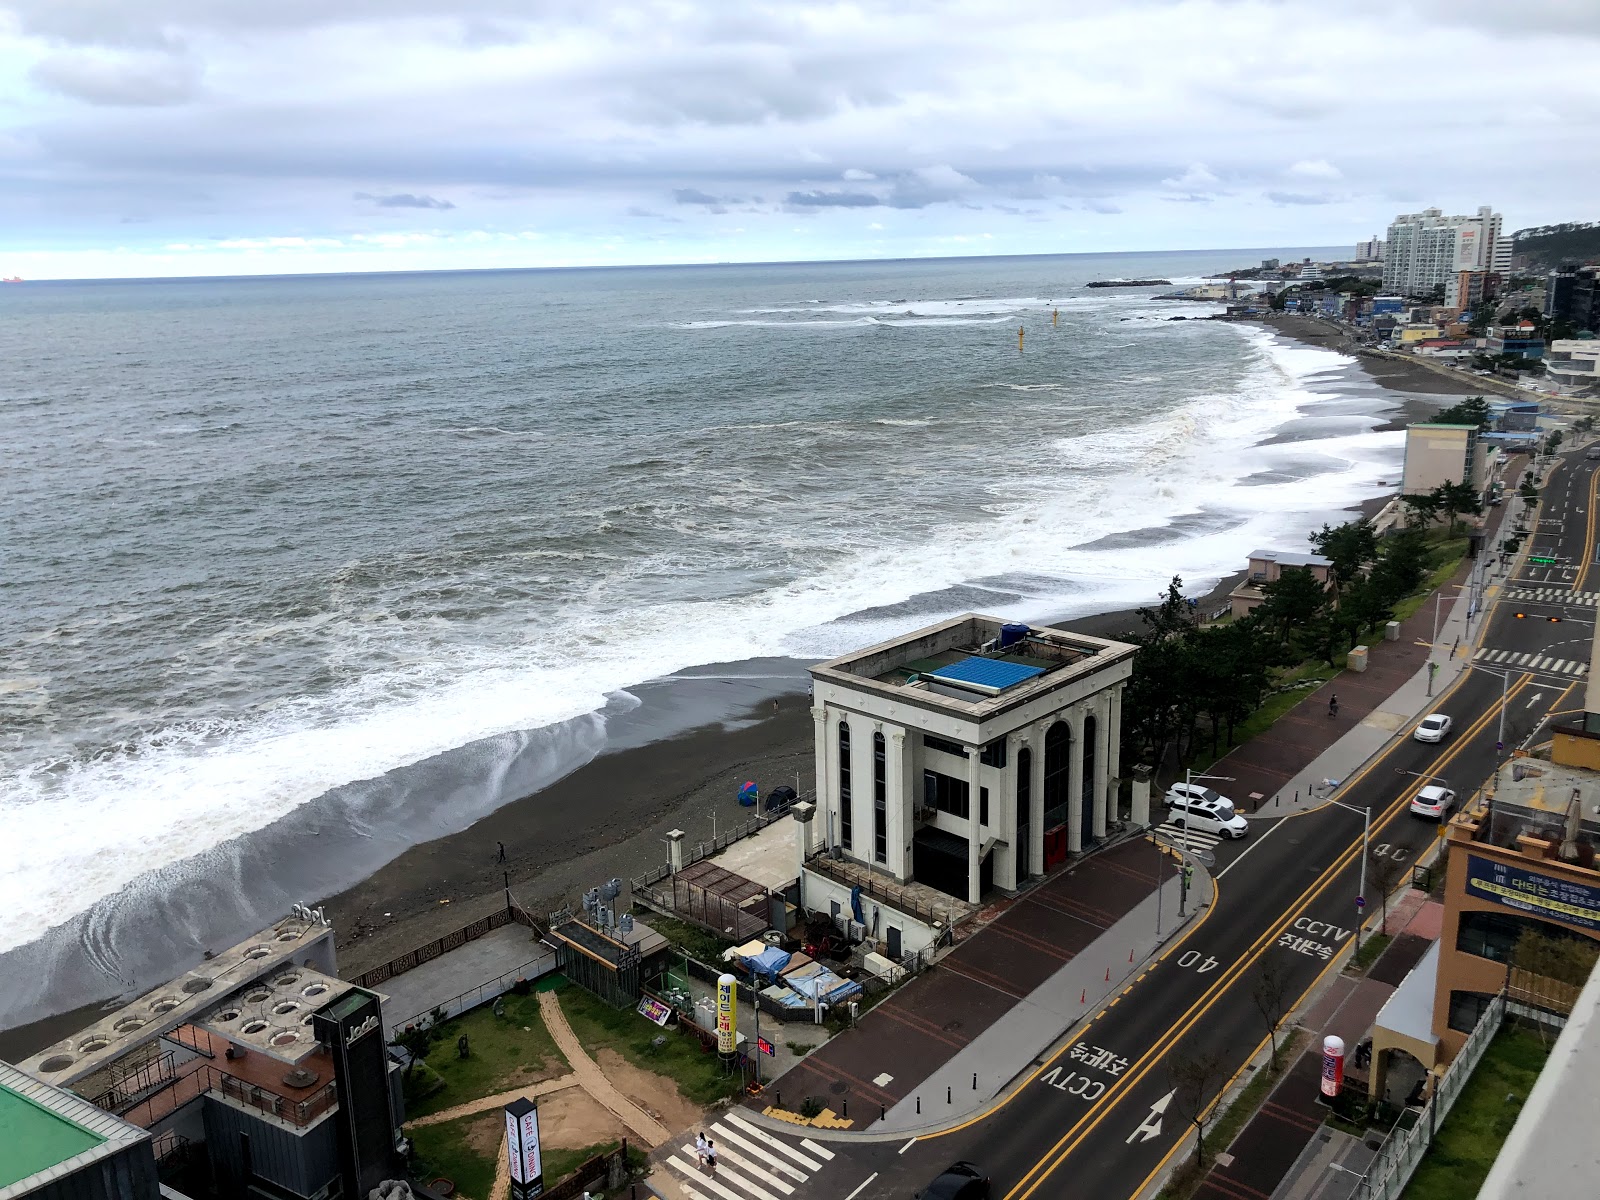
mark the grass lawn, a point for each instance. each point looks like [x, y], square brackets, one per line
[1447, 556]
[464, 1151]
[502, 1053]
[1372, 946]
[1476, 1128]
[698, 1074]
[700, 944]
[1311, 674]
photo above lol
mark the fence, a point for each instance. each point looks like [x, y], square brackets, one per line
[510, 914]
[595, 1170]
[721, 841]
[191, 1085]
[1401, 1152]
[876, 886]
[482, 994]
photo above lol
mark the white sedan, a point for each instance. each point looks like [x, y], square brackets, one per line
[1432, 728]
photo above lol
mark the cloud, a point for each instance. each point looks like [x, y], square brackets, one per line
[1315, 168]
[695, 196]
[853, 175]
[132, 79]
[1197, 178]
[832, 200]
[405, 200]
[1298, 198]
[930, 185]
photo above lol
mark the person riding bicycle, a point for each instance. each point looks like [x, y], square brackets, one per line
[1333, 706]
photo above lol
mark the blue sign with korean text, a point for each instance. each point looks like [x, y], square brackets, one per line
[1538, 895]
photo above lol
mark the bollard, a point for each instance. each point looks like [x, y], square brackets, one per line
[844, 1107]
[1108, 974]
[974, 1081]
[779, 1095]
[919, 1104]
[947, 1097]
[1277, 797]
[884, 1112]
[1083, 996]
[1130, 955]
[1297, 795]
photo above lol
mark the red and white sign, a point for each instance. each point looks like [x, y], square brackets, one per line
[1332, 1066]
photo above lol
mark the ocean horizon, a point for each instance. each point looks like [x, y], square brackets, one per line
[379, 552]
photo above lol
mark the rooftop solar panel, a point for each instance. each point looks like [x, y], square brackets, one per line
[987, 673]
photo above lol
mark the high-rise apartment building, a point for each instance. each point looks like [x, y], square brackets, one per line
[1370, 250]
[1426, 250]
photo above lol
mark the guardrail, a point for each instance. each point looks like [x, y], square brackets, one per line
[488, 990]
[721, 841]
[510, 914]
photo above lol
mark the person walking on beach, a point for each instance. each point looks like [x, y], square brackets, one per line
[502, 846]
[1333, 705]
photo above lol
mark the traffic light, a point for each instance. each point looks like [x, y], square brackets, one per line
[1540, 561]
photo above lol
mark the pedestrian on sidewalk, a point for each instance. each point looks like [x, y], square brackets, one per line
[1333, 705]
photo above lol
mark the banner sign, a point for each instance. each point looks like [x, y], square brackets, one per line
[1527, 891]
[726, 1041]
[652, 1009]
[1332, 1066]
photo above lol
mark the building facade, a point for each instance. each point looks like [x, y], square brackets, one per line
[1267, 566]
[1468, 289]
[1425, 250]
[1521, 340]
[971, 754]
[1573, 365]
[1438, 454]
[1370, 250]
[1572, 294]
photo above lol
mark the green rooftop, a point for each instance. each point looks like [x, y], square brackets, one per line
[34, 1139]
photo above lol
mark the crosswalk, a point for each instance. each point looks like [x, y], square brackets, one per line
[752, 1164]
[1172, 835]
[1553, 596]
[1532, 662]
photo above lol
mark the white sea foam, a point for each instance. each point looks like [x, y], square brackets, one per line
[181, 790]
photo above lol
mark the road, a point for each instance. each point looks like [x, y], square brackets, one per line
[1105, 1117]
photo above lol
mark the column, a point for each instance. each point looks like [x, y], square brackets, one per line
[1102, 764]
[1074, 717]
[974, 831]
[826, 798]
[1139, 797]
[1114, 755]
[803, 812]
[1036, 798]
[897, 822]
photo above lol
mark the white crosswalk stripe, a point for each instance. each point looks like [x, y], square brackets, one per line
[752, 1164]
[1533, 662]
[1552, 596]
[1173, 836]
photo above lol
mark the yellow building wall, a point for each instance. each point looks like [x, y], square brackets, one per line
[1434, 454]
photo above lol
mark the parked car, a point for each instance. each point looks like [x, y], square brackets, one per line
[1432, 728]
[1204, 811]
[958, 1181]
[1433, 801]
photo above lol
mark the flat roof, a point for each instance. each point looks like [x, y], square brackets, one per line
[34, 1139]
[1292, 558]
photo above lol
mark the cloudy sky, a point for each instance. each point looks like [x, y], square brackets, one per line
[180, 137]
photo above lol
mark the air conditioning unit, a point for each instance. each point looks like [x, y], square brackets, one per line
[234, 1051]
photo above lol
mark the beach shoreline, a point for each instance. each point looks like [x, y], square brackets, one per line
[676, 761]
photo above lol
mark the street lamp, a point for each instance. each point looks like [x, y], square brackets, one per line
[1361, 1176]
[1366, 840]
[1188, 778]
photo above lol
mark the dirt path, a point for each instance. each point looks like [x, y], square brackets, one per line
[593, 1080]
[532, 1091]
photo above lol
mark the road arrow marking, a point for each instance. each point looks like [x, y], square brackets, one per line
[1152, 1124]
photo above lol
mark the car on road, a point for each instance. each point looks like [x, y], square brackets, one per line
[1592, 453]
[1433, 801]
[958, 1181]
[1432, 728]
[1204, 811]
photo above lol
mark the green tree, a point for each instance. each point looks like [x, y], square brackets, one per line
[1280, 299]
[1474, 410]
[1289, 601]
[1457, 499]
[1553, 442]
[1402, 567]
[1421, 509]
[1350, 547]
[1365, 606]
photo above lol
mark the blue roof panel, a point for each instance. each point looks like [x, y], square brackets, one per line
[987, 672]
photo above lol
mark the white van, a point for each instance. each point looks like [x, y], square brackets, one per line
[1204, 811]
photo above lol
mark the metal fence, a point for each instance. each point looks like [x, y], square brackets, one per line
[1402, 1151]
[431, 951]
[902, 899]
[488, 990]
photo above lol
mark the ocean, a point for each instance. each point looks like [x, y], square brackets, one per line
[367, 556]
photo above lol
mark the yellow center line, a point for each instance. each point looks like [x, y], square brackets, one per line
[1057, 1154]
[1588, 533]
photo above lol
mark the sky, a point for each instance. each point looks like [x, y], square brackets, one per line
[199, 137]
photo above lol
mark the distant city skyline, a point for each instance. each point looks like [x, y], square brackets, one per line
[175, 137]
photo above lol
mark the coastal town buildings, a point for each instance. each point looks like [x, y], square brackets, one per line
[1468, 289]
[1572, 294]
[58, 1146]
[970, 754]
[256, 1073]
[1522, 339]
[1267, 566]
[1424, 250]
[1371, 250]
[1573, 365]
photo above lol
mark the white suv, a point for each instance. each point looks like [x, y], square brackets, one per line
[1204, 811]
[1433, 801]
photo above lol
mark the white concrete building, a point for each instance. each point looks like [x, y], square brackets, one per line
[1370, 250]
[1424, 250]
[970, 754]
[1573, 365]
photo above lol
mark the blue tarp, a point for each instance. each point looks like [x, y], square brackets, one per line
[768, 963]
[986, 672]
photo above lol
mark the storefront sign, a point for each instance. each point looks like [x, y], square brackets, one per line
[654, 1010]
[522, 1148]
[1332, 1066]
[1541, 895]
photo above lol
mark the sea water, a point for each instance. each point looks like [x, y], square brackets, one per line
[277, 548]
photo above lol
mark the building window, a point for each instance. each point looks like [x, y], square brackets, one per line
[846, 813]
[983, 806]
[946, 793]
[1466, 1008]
[880, 800]
[994, 754]
[1494, 935]
[1057, 761]
[944, 745]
